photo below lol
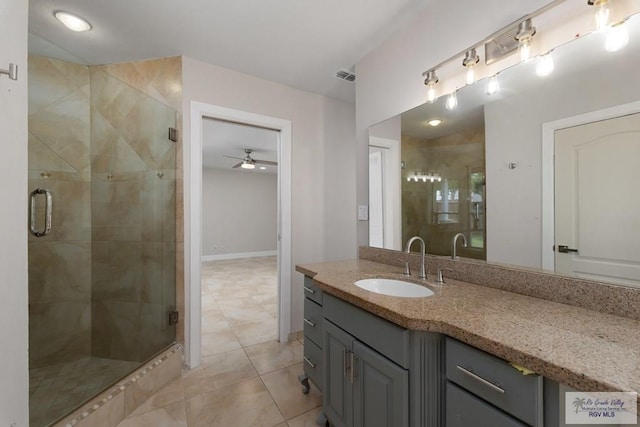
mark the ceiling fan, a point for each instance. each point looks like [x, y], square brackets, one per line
[249, 162]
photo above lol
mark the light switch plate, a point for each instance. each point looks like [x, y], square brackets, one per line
[363, 213]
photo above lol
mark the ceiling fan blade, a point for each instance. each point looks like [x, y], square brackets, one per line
[238, 165]
[265, 162]
[232, 157]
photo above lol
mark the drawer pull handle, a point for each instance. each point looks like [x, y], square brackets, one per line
[480, 379]
[308, 289]
[306, 359]
[309, 322]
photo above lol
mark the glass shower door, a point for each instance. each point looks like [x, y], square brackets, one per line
[102, 280]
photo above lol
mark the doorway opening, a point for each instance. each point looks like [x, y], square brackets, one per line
[201, 116]
[239, 235]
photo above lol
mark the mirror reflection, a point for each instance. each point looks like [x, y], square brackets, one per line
[487, 168]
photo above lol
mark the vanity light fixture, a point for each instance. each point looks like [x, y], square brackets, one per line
[419, 176]
[545, 65]
[602, 13]
[434, 122]
[72, 21]
[525, 33]
[452, 101]
[470, 60]
[493, 86]
[431, 81]
[617, 38]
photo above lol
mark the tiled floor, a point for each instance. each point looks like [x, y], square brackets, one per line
[57, 389]
[246, 377]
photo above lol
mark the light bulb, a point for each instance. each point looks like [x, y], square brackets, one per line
[545, 66]
[617, 38]
[452, 102]
[602, 16]
[431, 95]
[525, 50]
[493, 86]
[471, 75]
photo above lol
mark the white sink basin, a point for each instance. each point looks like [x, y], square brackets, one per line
[394, 288]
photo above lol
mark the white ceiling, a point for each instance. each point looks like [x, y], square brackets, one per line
[299, 43]
[220, 139]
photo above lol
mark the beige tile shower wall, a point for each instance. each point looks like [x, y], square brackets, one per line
[451, 156]
[161, 79]
[60, 263]
[135, 216]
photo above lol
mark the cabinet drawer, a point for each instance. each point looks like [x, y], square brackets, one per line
[311, 290]
[495, 381]
[313, 321]
[313, 362]
[464, 410]
[383, 336]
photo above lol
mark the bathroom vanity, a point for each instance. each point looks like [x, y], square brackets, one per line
[468, 355]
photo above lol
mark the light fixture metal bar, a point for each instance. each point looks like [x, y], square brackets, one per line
[497, 33]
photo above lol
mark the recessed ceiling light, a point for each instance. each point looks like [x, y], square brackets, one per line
[263, 167]
[71, 21]
[434, 122]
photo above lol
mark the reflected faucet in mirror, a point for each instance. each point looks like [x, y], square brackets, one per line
[454, 244]
[422, 274]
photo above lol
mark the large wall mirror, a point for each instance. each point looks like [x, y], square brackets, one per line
[542, 174]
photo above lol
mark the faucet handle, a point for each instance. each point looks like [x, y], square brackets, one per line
[407, 269]
[440, 277]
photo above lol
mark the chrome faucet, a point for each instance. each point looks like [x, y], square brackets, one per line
[455, 242]
[423, 273]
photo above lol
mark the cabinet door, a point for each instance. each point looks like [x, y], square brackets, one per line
[380, 390]
[464, 410]
[336, 387]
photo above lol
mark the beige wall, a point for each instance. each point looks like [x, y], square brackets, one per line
[323, 195]
[14, 403]
[239, 212]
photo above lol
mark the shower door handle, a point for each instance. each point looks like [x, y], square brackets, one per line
[48, 207]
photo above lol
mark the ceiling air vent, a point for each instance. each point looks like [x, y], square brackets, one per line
[345, 75]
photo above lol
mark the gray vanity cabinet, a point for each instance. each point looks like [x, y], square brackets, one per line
[361, 386]
[312, 335]
[487, 389]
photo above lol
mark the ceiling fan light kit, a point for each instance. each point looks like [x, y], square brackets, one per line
[249, 162]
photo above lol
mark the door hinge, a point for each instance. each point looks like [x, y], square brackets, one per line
[173, 134]
[174, 318]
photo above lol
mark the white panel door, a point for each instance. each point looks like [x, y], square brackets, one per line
[376, 199]
[597, 203]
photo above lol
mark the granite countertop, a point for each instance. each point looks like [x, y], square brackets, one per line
[584, 349]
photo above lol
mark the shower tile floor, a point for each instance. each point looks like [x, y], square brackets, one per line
[57, 389]
[246, 378]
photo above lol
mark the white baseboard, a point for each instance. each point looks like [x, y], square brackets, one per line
[221, 257]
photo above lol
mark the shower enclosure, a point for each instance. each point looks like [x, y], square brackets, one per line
[101, 233]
